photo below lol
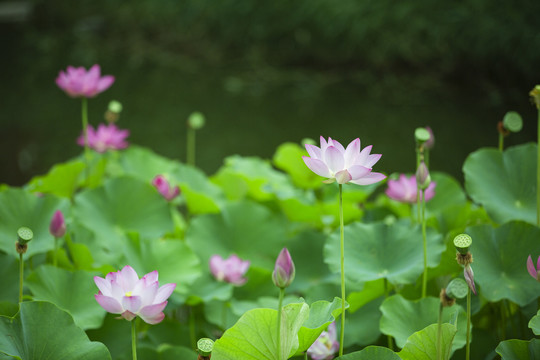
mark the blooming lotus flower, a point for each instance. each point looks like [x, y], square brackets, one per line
[326, 344]
[164, 188]
[124, 293]
[58, 225]
[404, 189]
[77, 82]
[336, 163]
[284, 271]
[534, 271]
[230, 270]
[106, 137]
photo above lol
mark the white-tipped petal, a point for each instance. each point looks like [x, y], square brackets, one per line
[334, 159]
[317, 166]
[369, 179]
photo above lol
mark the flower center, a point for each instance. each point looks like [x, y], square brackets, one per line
[128, 294]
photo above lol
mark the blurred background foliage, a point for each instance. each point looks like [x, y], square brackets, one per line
[290, 69]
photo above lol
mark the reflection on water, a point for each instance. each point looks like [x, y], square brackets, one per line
[249, 112]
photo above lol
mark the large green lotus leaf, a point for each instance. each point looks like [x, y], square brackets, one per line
[534, 324]
[422, 345]
[402, 318]
[115, 334]
[122, 204]
[519, 349]
[173, 259]
[141, 163]
[377, 250]
[371, 291]
[262, 182]
[70, 291]
[448, 193]
[321, 314]
[61, 180]
[500, 256]
[288, 157]
[42, 331]
[240, 228]
[206, 289]
[22, 208]
[9, 278]
[362, 326]
[371, 353]
[254, 336]
[505, 183]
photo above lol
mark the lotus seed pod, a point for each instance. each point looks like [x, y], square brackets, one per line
[462, 242]
[421, 135]
[512, 121]
[25, 235]
[535, 96]
[196, 120]
[115, 106]
[457, 289]
[205, 346]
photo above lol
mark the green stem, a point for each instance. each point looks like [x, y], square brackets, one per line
[280, 305]
[468, 348]
[503, 321]
[21, 277]
[191, 146]
[501, 142]
[84, 113]
[342, 247]
[538, 174]
[55, 258]
[439, 333]
[424, 237]
[192, 328]
[386, 293]
[134, 338]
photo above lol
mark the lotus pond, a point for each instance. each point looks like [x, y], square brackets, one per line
[315, 253]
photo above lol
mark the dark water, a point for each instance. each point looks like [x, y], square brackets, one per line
[249, 111]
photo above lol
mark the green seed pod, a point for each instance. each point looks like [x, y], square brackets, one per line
[421, 135]
[205, 346]
[115, 106]
[462, 242]
[25, 235]
[196, 120]
[512, 121]
[457, 289]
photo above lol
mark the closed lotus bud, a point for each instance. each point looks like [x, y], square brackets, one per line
[423, 179]
[284, 271]
[469, 277]
[58, 225]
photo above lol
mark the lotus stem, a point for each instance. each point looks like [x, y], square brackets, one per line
[191, 146]
[134, 338]
[84, 114]
[21, 277]
[501, 142]
[280, 305]
[439, 332]
[468, 345]
[55, 257]
[342, 247]
[538, 174]
[424, 238]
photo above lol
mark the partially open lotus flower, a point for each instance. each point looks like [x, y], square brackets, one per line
[124, 293]
[106, 137]
[336, 163]
[533, 271]
[469, 277]
[404, 189]
[77, 82]
[231, 270]
[162, 185]
[326, 344]
[284, 270]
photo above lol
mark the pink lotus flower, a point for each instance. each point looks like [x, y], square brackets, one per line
[404, 189]
[77, 82]
[230, 270]
[326, 344]
[58, 225]
[284, 271]
[336, 163]
[124, 293]
[534, 271]
[164, 188]
[106, 137]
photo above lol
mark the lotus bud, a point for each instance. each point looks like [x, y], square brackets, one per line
[533, 271]
[430, 143]
[423, 179]
[58, 225]
[469, 277]
[284, 271]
